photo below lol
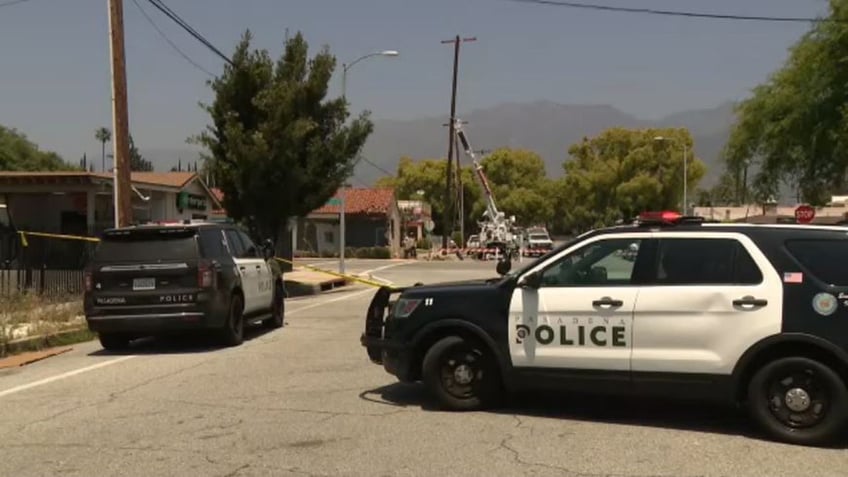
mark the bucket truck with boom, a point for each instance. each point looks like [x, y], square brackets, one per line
[496, 230]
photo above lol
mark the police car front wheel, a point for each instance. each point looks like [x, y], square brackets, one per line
[799, 400]
[461, 374]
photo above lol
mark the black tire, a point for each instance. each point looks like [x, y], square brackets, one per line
[278, 308]
[232, 334]
[443, 364]
[817, 396]
[114, 341]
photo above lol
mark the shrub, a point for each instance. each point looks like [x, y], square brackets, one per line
[424, 243]
[25, 314]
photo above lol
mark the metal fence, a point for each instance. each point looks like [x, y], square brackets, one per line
[41, 281]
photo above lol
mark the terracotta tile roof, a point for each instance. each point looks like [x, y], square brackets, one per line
[362, 201]
[219, 194]
[166, 179]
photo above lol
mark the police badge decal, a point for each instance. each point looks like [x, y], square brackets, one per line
[824, 304]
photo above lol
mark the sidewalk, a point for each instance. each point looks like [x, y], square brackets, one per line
[303, 281]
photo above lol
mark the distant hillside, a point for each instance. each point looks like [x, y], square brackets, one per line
[548, 128]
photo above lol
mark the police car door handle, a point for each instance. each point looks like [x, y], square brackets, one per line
[241, 267]
[607, 301]
[750, 301]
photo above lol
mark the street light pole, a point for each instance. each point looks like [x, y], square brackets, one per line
[685, 182]
[345, 67]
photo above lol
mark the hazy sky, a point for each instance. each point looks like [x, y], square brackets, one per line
[54, 58]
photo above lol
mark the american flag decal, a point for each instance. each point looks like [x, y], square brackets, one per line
[793, 277]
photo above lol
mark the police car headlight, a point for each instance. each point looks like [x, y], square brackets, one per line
[405, 306]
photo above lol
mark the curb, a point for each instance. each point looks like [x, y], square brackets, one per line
[297, 289]
[76, 334]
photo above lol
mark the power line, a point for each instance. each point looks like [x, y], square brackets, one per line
[377, 166]
[9, 3]
[165, 37]
[676, 13]
[191, 31]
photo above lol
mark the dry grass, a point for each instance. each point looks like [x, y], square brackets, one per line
[24, 315]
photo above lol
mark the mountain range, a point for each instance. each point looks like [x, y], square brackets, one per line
[546, 127]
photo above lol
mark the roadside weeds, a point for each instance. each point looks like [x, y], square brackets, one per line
[32, 322]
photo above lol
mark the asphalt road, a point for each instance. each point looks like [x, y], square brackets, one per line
[305, 400]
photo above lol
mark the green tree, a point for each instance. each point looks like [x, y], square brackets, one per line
[17, 153]
[103, 135]
[425, 180]
[621, 173]
[794, 127]
[277, 148]
[137, 162]
[519, 184]
[728, 191]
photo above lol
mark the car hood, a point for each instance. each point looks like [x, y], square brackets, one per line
[457, 285]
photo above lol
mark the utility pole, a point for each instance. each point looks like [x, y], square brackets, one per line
[460, 191]
[461, 198]
[120, 117]
[447, 227]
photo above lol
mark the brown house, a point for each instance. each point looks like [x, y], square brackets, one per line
[372, 219]
[82, 203]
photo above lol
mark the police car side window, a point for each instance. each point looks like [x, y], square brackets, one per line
[824, 258]
[704, 261]
[601, 263]
[234, 243]
[212, 243]
[250, 249]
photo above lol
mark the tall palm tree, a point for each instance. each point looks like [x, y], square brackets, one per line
[103, 135]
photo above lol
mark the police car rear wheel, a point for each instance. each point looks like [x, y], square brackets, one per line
[460, 374]
[278, 307]
[233, 332]
[799, 400]
[114, 341]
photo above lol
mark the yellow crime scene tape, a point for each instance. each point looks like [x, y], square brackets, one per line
[24, 233]
[341, 275]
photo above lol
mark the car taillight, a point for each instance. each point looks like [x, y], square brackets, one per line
[205, 275]
[87, 280]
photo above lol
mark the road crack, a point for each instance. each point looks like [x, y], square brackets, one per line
[521, 460]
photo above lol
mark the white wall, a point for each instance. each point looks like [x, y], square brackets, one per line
[164, 204]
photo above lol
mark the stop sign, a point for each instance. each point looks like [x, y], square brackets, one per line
[804, 214]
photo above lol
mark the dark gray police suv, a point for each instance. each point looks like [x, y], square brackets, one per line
[179, 277]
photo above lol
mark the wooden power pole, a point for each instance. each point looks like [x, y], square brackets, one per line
[122, 186]
[447, 227]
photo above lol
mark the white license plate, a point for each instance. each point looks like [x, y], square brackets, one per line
[144, 283]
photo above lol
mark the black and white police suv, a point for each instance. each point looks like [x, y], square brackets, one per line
[755, 315]
[180, 277]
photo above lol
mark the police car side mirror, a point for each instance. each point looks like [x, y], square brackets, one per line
[531, 280]
[503, 267]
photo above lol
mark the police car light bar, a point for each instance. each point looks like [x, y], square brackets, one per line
[663, 217]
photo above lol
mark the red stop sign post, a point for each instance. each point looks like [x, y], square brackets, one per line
[805, 214]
